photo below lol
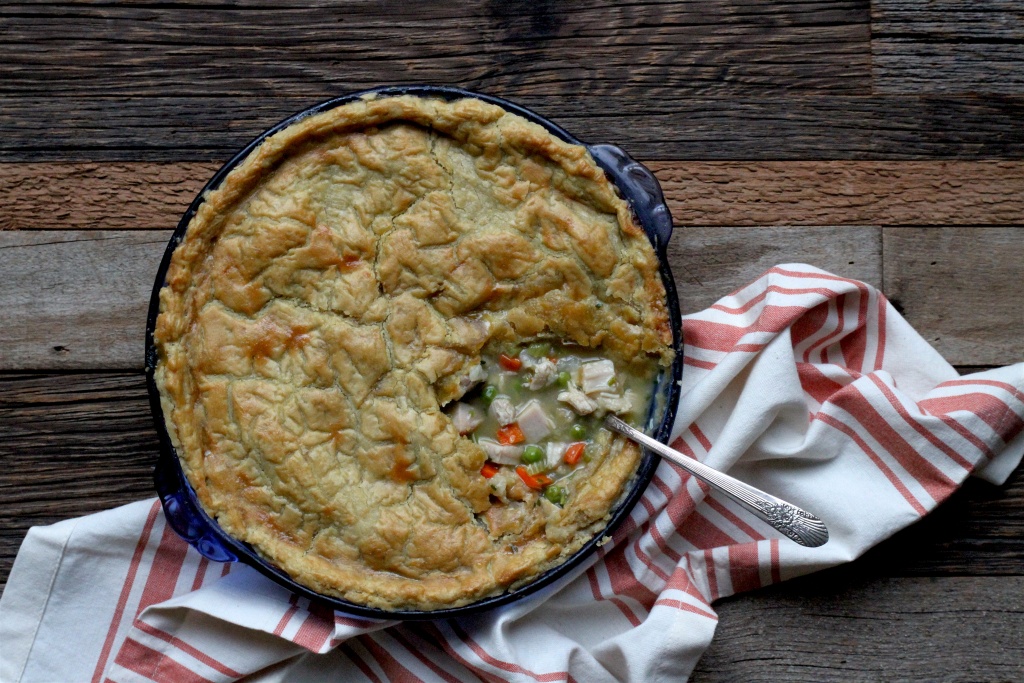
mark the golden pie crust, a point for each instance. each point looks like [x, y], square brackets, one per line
[326, 300]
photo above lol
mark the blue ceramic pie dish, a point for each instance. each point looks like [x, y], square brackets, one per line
[634, 182]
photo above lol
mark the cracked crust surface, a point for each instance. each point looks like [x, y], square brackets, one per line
[322, 307]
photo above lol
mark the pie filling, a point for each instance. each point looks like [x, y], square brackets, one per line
[537, 416]
[386, 342]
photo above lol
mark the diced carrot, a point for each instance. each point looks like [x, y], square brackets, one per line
[573, 453]
[489, 470]
[531, 481]
[510, 363]
[544, 480]
[510, 435]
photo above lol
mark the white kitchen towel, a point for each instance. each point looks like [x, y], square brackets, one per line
[807, 385]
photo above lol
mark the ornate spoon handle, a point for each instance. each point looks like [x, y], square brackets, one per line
[799, 525]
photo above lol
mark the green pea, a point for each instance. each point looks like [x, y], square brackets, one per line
[556, 494]
[538, 350]
[578, 432]
[532, 454]
[489, 393]
[563, 379]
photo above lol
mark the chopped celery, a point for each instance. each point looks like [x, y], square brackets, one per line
[539, 350]
[536, 468]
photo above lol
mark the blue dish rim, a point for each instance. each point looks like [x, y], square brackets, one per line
[181, 507]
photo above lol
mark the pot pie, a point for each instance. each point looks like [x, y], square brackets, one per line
[386, 341]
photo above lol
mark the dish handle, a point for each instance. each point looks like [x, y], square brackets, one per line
[185, 518]
[641, 189]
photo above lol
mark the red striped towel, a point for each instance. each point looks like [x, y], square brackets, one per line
[804, 384]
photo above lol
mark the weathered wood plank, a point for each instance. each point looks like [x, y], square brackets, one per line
[568, 48]
[652, 125]
[143, 195]
[840, 626]
[978, 19]
[948, 46]
[91, 196]
[76, 299]
[716, 79]
[912, 66]
[960, 288]
[843, 192]
[70, 445]
[710, 262]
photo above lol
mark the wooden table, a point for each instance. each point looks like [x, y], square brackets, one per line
[881, 140]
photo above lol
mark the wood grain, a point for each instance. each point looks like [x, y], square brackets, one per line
[910, 66]
[715, 79]
[70, 445]
[653, 126]
[143, 195]
[76, 299]
[710, 262]
[948, 46]
[960, 288]
[841, 626]
[562, 49]
[843, 192]
[89, 196]
[966, 19]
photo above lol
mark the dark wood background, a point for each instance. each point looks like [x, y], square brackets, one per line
[881, 140]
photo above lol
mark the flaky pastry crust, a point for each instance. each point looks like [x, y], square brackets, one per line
[322, 307]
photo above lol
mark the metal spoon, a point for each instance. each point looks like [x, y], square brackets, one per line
[799, 525]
